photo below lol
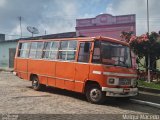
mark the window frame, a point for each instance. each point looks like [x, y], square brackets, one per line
[50, 50]
[90, 51]
[67, 50]
[31, 50]
[70, 48]
[22, 50]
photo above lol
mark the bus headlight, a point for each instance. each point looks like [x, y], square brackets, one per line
[112, 81]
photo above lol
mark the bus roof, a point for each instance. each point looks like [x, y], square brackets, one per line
[81, 39]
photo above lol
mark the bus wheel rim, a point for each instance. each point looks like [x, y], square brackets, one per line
[95, 94]
[35, 83]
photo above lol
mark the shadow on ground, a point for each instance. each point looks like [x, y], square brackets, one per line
[110, 101]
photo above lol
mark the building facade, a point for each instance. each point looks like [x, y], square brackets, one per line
[106, 25]
[7, 52]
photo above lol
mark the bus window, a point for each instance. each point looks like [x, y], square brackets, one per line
[54, 50]
[23, 50]
[84, 52]
[33, 48]
[67, 50]
[39, 50]
[96, 53]
[72, 46]
[46, 50]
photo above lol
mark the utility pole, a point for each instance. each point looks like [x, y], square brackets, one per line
[149, 76]
[147, 16]
[20, 21]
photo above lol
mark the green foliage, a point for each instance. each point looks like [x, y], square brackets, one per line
[144, 45]
[149, 85]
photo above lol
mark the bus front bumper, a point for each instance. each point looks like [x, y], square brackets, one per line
[120, 92]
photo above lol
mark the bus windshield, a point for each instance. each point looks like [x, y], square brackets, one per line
[112, 54]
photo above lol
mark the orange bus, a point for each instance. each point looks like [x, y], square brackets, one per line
[95, 66]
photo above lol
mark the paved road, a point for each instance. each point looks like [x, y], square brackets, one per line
[17, 97]
[150, 97]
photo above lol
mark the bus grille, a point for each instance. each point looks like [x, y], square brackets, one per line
[124, 81]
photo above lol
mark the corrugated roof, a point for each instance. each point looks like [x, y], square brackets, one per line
[50, 36]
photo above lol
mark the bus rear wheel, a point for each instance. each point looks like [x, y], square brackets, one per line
[36, 84]
[95, 95]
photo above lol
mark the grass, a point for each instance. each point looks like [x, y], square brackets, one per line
[153, 85]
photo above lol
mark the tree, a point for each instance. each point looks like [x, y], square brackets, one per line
[146, 45]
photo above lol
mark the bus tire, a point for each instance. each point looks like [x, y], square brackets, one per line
[36, 84]
[95, 95]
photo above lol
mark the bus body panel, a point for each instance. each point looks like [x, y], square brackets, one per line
[81, 76]
[22, 67]
[96, 74]
[65, 72]
[39, 67]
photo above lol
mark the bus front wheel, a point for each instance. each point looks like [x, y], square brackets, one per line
[36, 84]
[95, 95]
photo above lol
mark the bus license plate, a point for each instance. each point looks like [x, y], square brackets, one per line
[126, 90]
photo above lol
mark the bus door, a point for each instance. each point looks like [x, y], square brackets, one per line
[82, 66]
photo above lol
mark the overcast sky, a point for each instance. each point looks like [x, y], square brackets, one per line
[56, 16]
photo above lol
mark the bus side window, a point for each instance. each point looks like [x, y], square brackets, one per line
[84, 52]
[72, 47]
[96, 53]
[54, 50]
[46, 50]
[23, 50]
[39, 50]
[62, 50]
[32, 53]
[67, 50]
